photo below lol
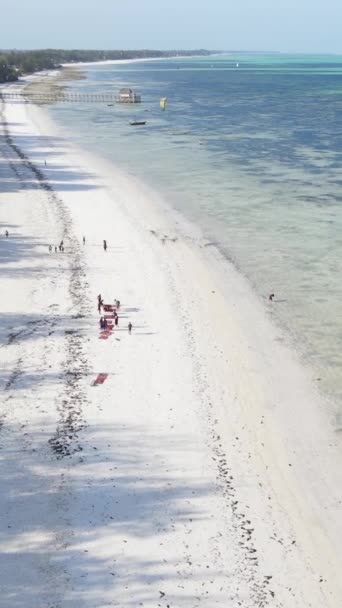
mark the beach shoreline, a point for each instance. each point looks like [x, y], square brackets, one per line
[264, 445]
[138, 60]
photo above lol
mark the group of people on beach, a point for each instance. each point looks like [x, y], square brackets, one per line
[103, 320]
[60, 247]
[116, 307]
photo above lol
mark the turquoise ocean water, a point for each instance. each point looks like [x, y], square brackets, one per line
[249, 148]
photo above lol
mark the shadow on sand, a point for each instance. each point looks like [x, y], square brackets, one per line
[114, 493]
[18, 155]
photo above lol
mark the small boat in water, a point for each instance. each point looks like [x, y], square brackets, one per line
[135, 123]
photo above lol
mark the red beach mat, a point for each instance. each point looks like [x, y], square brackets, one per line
[100, 379]
[108, 307]
[104, 335]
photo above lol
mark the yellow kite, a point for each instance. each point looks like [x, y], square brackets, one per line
[163, 103]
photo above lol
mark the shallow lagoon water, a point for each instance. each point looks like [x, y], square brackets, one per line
[252, 154]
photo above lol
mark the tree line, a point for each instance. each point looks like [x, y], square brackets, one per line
[14, 64]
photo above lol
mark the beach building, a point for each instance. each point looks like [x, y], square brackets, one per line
[128, 96]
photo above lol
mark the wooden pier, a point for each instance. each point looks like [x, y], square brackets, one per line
[108, 98]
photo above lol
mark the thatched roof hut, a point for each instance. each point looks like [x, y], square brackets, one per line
[127, 95]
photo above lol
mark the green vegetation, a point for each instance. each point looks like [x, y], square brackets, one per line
[17, 63]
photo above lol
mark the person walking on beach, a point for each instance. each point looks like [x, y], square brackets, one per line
[116, 320]
[105, 245]
[84, 240]
[130, 326]
[6, 234]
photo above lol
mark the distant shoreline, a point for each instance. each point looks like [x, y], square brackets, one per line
[140, 60]
[16, 63]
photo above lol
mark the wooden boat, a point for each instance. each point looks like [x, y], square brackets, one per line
[135, 123]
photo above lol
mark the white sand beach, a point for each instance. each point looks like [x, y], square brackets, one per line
[205, 470]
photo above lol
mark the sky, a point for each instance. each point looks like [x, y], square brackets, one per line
[311, 26]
